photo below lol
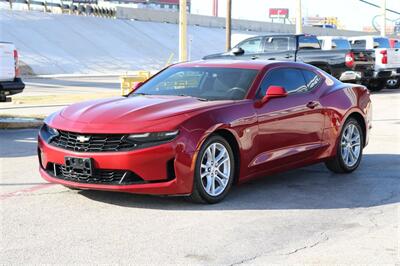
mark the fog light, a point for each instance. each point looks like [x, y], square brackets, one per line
[42, 158]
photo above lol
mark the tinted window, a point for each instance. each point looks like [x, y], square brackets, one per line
[381, 43]
[251, 46]
[312, 79]
[279, 44]
[308, 42]
[340, 44]
[209, 83]
[358, 44]
[289, 78]
[396, 44]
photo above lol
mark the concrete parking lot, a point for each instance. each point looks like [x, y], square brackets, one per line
[309, 215]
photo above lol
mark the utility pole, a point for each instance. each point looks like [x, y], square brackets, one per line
[383, 23]
[228, 24]
[182, 31]
[299, 18]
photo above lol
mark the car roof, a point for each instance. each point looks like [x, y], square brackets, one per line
[227, 63]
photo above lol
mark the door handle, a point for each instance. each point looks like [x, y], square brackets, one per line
[254, 57]
[288, 56]
[312, 104]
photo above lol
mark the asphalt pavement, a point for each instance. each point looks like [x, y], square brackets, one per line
[305, 216]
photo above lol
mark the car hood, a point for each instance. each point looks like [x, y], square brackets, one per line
[130, 114]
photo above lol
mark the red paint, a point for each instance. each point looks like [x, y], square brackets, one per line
[284, 133]
[23, 191]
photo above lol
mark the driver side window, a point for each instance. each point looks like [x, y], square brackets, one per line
[290, 78]
[251, 46]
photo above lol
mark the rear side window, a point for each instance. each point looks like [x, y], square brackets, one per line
[279, 44]
[396, 44]
[251, 46]
[308, 42]
[312, 79]
[290, 78]
[359, 44]
[340, 44]
[381, 43]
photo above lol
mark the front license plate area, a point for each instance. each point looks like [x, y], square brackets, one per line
[79, 165]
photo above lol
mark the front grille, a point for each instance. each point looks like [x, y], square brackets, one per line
[92, 142]
[99, 176]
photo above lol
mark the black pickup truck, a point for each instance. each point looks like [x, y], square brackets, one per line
[349, 65]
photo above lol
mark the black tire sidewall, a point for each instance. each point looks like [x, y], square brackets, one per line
[339, 153]
[197, 179]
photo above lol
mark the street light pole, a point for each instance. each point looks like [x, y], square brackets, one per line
[383, 23]
[228, 24]
[299, 18]
[182, 31]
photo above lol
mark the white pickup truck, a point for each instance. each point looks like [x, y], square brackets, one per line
[10, 82]
[387, 59]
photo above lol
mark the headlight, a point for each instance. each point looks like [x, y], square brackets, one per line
[48, 133]
[154, 136]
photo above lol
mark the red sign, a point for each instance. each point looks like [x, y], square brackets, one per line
[279, 13]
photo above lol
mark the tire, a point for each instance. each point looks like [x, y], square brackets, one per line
[376, 85]
[393, 83]
[221, 175]
[342, 163]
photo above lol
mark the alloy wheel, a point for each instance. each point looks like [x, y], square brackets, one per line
[350, 145]
[215, 169]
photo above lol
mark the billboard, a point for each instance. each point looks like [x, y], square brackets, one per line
[282, 13]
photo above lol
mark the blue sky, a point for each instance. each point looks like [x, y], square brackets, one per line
[353, 14]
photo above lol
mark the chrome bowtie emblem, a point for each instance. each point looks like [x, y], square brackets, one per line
[82, 138]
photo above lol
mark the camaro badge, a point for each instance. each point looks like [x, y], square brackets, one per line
[82, 138]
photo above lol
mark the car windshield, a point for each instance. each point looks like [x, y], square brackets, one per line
[206, 83]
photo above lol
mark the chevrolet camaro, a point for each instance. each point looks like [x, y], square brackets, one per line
[196, 129]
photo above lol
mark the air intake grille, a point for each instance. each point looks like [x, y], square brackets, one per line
[99, 176]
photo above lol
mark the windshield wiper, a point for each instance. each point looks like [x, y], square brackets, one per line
[198, 98]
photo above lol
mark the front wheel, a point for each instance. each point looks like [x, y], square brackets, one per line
[215, 166]
[349, 149]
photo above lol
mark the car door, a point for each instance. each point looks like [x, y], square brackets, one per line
[252, 47]
[281, 48]
[289, 128]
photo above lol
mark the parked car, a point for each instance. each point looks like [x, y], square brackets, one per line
[387, 60]
[363, 58]
[10, 82]
[347, 65]
[197, 128]
[394, 83]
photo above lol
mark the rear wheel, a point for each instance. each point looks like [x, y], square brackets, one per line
[349, 149]
[215, 166]
[393, 83]
[376, 85]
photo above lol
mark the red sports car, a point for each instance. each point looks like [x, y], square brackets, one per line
[197, 128]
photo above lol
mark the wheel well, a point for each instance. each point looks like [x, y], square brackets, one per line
[230, 138]
[361, 121]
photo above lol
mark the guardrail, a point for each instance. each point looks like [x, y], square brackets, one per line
[66, 7]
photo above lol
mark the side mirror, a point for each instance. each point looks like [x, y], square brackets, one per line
[273, 92]
[237, 51]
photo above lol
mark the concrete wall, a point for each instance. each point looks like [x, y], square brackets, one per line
[68, 44]
[218, 22]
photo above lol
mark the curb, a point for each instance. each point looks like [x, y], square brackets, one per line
[33, 123]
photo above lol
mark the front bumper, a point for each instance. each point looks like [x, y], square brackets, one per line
[150, 164]
[11, 87]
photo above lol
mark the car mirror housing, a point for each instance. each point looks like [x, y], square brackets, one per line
[273, 92]
[237, 51]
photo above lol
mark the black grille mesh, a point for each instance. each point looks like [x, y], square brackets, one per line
[92, 142]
